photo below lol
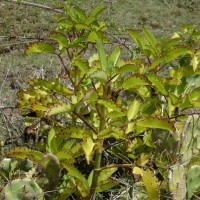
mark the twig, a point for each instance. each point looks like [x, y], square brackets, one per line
[34, 5]
[66, 70]
[120, 42]
[85, 122]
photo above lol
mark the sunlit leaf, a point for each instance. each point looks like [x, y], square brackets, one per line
[51, 85]
[23, 152]
[39, 47]
[133, 109]
[99, 75]
[172, 54]
[88, 146]
[128, 68]
[138, 38]
[82, 65]
[154, 122]
[113, 58]
[74, 172]
[112, 133]
[109, 105]
[156, 81]
[97, 10]
[150, 182]
[102, 55]
[59, 108]
[150, 37]
[74, 132]
[60, 38]
[66, 23]
[106, 173]
[81, 13]
[134, 81]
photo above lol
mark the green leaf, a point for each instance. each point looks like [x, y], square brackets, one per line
[39, 47]
[156, 81]
[106, 185]
[150, 37]
[112, 132]
[150, 182]
[88, 146]
[109, 105]
[95, 36]
[74, 132]
[49, 147]
[97, 10]
[74, 172]
[134, 81]
[60, 38]
[102, 55]
[82, 65]
[82, 27]
[52, 85]
[128, 68]
[66, 23]
[65, 156]
[113, 58]
[82, 183]
[105, 174]
[100, 75]
[172, 54]
[154, 122]
[59, 108]
[137, 37]
[172, 42]
[81, 13]
[133, 109]
[83, 188]
[115, 114]
[23, 152]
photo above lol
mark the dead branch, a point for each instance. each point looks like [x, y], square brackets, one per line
[34, 5]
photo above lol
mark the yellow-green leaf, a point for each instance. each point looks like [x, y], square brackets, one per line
[23, 152]
[133, 109]
[82, 65]
[134, 81]
[150, 37]
[105, 174]
[109, 105]
[112, 132]
[88, 148]
[154, 122]
[97, 10]
[59, 108]
[106, 185]
[74, 132]
[102, 55]
[60, 38]
[39, 47]
[150, 182]
[156, 81]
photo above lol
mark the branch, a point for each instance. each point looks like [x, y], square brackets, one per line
[120, 42]
[34, 5]
[85, 122]
[66, 70]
